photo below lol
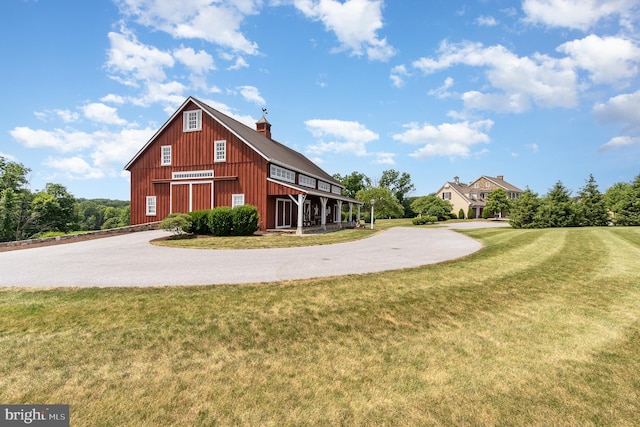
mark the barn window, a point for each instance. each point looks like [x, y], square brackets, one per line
[151, 205]
[283, 174]
[220, 151]
[237, 200]
[165, 159]
[192, 120]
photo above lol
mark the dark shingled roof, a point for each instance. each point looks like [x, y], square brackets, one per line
[270, 149]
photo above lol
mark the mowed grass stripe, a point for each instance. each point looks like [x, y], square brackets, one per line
[526, 331]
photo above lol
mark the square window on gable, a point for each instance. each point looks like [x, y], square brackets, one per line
[192, 120]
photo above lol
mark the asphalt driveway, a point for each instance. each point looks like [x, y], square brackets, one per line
[129, 260]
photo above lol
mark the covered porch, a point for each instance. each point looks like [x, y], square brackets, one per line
[302, 210]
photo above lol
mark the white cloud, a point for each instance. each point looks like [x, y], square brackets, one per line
[446, 139]
[443, 91]
[113, 99]
[240, 63]
[398, 73]
[540, 79]
[66, 116]
[135, 61]
[57, 139]
[73, 167]
[620, 109]
[99, 112]
[619, 142]
[8, 157]
[347, 136]
[198, 62]
[385, 159]
[532, 147]
[575, 14]
[486, 21]
[169, 94]
[607, 59]
[354, 22]
[252, 94]
[109, 150]
[214, 21]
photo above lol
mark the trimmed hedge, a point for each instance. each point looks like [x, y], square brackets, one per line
[220, 221]
[422, 220]
[245, 220]
[199, 222]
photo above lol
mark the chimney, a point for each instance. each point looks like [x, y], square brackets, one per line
[501, 177]
[264, 127]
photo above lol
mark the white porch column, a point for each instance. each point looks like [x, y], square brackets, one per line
[359, 213]
[323, 220]
[339, 213]
[350, 213]
[300, 204]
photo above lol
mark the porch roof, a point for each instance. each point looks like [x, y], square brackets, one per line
[314, 192]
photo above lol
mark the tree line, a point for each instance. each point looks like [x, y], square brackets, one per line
[25, 214]
[619, 205]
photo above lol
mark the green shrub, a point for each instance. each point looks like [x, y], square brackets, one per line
[426, 219]
[199, 222]
[220, 221]
[177, 223]
[48, 234]
[461, 214]
[471, 214]
[245, 220]
[453, 215]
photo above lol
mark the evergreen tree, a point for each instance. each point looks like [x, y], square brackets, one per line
[557, 209]
[591, 206]
[629, 205]
[524, 210]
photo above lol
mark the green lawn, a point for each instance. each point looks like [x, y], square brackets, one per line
[541, 327]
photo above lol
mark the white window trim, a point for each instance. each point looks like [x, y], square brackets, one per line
[324, 186]
[307, 181]
[151, 206]
[192, 174]
[185, 121]
[237, 200]
[282, 174]
[165, 151]
[223, 144]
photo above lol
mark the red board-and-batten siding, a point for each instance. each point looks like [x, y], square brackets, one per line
[243, 172]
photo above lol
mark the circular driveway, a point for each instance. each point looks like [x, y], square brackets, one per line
[129, 260]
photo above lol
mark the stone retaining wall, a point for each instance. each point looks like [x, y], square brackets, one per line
[68, 238]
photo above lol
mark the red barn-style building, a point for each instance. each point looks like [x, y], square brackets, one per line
[201, 159]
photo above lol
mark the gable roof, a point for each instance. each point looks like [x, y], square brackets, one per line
[500, 182]
[271, 150]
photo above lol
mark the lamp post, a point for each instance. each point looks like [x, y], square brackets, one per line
[373, 202]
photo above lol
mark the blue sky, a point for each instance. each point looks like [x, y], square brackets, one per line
[535, 90]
